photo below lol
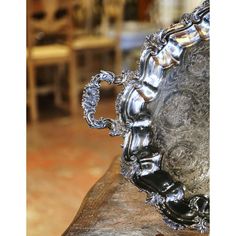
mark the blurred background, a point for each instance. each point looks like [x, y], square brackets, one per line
[68, 41]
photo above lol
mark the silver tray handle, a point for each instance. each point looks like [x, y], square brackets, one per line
[90, 99]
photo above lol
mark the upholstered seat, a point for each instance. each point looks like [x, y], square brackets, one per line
[56, 51]
[92, 42]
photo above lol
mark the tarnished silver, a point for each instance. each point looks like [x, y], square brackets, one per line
[163, 115]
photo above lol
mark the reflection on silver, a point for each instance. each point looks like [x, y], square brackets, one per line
[162, 113]
[150, 164]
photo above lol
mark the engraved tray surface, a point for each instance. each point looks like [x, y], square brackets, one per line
[163, 115]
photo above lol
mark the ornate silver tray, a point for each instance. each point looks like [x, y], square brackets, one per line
[163, 115]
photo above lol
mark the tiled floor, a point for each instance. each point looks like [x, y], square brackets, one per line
[64, 159]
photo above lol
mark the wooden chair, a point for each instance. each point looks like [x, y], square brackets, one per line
[53, 18]
[97, 42]
[112, 15]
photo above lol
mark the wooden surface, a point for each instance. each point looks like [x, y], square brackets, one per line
[115, 207]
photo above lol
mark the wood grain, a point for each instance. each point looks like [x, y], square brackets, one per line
[116, 207]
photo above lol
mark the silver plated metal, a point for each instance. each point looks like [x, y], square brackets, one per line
[162, 114]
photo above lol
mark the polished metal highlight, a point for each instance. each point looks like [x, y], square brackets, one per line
[163, 115]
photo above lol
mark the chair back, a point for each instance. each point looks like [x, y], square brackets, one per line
[48, 21]
[98, 16]
[83, 16]
[112, 18]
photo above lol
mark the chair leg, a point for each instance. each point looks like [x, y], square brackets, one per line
[73, 90]
[32, 93]
[57, 88]
[118, 58]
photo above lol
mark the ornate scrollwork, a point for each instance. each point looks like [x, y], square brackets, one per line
[148, 160]
[91, 97]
